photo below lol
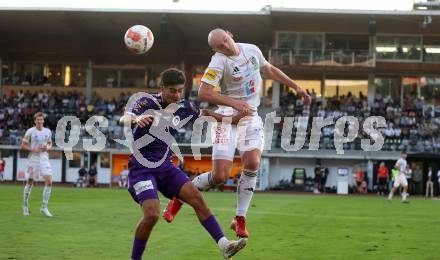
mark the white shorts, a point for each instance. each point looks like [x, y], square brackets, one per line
[37, 169]
[400, 181]
[248, 135]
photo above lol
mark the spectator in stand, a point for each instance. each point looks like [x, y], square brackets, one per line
[82, 177]
[383, 178]
[93, 176]
[438, 180]
[360, 181]
[430, 184]
[2, 168]
[318, 174]
[123, 178]
[152, 83]
[417, 178]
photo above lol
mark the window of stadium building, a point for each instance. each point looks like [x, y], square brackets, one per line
[427, 88]
[347, 49]
[399, 48]
[105, 160]
[22, 73]
[38, 74]
[76, 161]
[75, 75]
[338, 88]
[54, 73]
[304, 46]
[105, 77]
[134, 78]
[6, 71]
[387, 87]
[431, 49]
[312, 86]
[53, 154]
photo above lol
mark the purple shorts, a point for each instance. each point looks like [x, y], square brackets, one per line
[144, 183]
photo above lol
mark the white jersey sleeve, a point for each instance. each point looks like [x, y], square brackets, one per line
[401, 163]
[27, 136]
[49, 134]
[261, 59]
[214, 72]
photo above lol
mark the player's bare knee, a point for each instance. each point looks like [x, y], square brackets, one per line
[151, 216]
[252, 165]
[151, 213]
[219, 178]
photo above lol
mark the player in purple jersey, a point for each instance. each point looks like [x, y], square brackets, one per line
[154, 119]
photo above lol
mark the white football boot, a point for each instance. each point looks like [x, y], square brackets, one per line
[232, 247]
[46, 212]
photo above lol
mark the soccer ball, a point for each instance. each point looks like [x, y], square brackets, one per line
[139, 39]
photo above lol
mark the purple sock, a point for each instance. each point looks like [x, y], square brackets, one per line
[211, 225]
[138, 249]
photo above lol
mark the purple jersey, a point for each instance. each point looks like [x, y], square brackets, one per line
[165, 123]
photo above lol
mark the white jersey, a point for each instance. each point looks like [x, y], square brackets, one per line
[238, 76]
[402, 166]
[36, 138]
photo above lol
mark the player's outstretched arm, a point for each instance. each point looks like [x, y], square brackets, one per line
[275, 73]
[25, 146]
[141, 121]
[207, 93]
[47, 147]
[126, 119]
[235, 119]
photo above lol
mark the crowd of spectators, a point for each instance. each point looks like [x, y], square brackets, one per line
[407, 125]
[18, 108]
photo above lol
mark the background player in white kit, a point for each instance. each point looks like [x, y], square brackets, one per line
[400, 180]
[236, 68]
[37, 140]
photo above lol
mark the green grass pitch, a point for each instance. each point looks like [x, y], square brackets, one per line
[99, 224]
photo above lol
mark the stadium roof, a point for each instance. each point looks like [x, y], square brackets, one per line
[96, 34]
[263, 11]
[356, 12]
[82, 34]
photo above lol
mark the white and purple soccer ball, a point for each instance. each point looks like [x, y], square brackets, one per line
[139, 39]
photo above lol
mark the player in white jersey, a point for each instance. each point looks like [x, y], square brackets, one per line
[236, 68]
[37, 140]
[400, 180]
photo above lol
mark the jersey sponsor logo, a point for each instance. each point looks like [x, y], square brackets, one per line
[143, 186]
[139, 105]
[254, 62]
[210, 75]
[250, 87]
[236, 74]
[221, 135]
[176, 120]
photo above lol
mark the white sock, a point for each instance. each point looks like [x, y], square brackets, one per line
[245, 191]
[46, 195]
[223, 242]
[404, 195]
[26, 194]
[1, 176]
[203, 181]
[390, 196]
